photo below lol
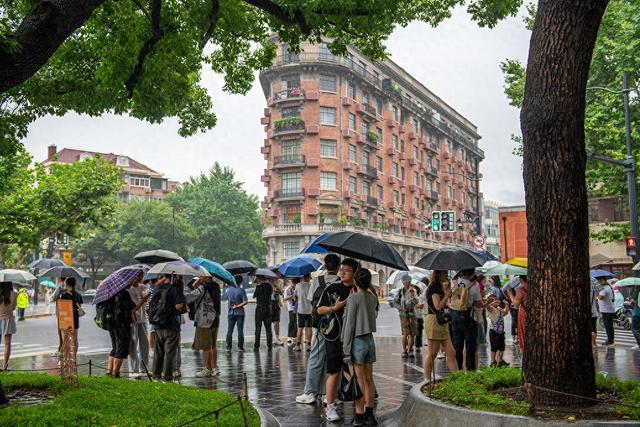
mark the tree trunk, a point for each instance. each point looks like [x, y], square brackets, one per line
[39, 35]
[557, 354]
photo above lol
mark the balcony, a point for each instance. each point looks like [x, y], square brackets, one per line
[370, 139]
[433, 195]
[432, 171]
[291, 94]
[371, 201]
[392, 123]
[433, 147]
[367, 112]
[288, 125]
[288, 227]
[288, 161]
[368, 171]
[289, 193]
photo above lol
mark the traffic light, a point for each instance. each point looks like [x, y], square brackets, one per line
[435, 221]
[632, 246]
[448, 221]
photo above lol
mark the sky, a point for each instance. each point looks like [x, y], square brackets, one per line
[458, 61]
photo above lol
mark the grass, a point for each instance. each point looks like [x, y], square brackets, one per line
[119, 402]
[477, 390]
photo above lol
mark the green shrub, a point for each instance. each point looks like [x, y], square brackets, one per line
[288, 121]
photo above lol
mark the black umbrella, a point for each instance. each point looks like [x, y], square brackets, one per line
[450, 259]
[45, 263]
[239, 266]
[65, 272]
[156, 256]
[363, 247]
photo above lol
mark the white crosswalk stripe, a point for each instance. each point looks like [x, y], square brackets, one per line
[622, 337]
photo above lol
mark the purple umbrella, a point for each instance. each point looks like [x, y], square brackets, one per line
[117, 281]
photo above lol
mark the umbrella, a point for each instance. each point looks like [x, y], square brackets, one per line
[313, 248]
[16, 276]
[514, 282]
[414, 272]
[629, 281]
[64, 272]
[485, 255]
[239, 266]
[115, 282]
[47, 283]
[299, 266]
[215, 269]
[487, 265]
[267, 274]
[450, 259]
[179, 268]
[45, 263]
[601, 273]
[519, 262]
[364, 247]
[506, 270]
[636, 267]
[156, 256]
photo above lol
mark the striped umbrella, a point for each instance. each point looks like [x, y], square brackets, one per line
[117, 281]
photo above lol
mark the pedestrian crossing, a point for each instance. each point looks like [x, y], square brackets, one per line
[622, 338]
[19, 349]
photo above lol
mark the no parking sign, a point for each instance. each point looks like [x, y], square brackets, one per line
[478, 242]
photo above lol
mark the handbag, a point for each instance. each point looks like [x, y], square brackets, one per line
[349, 391]
[442, 317]
[80, 310]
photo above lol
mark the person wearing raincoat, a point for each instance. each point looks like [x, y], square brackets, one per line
[22, 302]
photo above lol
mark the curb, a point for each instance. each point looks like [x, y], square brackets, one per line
[266, 418]
[36, 316]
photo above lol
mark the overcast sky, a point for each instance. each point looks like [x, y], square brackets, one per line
[458, 61]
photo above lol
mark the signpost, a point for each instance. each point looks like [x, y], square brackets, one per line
[68, 363]
[478, 242]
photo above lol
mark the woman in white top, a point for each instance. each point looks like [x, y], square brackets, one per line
[7, 319]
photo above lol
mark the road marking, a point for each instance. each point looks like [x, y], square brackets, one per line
[398, 380]
[412, 366]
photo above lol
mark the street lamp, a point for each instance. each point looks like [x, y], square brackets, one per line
[629, 163]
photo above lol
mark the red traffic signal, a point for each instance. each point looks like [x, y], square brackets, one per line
[632, 246]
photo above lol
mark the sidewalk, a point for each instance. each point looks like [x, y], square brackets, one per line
[40, 310]
[275, 378]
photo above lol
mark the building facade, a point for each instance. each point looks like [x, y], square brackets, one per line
[352, 144]
[491, 226]
[140, 181]
[513, 232]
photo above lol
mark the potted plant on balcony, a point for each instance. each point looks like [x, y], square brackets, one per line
[288, 122]
[296, 219]
[372, 136]
[343, 220]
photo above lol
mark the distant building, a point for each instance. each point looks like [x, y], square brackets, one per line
[602, 210]
[141, 182]
[353, 144]
[491, 226]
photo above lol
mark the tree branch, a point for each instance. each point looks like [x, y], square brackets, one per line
[39, 35]
[156, 35]
[275, 10]
[142, 9]
[213, 19]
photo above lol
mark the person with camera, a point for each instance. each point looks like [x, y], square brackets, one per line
[438, 294]
[204, 309]
[406, 301]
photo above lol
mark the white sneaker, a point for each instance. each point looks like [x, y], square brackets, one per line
[215, 372]
[177, 373]
[204, 373]
[331, 413]
[306, 398]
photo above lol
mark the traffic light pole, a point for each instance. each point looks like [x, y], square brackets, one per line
[631, 168]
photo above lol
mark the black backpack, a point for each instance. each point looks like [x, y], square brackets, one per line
[161, 314]
[106, 314]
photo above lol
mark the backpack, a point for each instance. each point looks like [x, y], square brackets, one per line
[161, 314]
[315, 317]
[106, 315]
[460, 297]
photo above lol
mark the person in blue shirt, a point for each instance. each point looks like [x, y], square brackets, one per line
[635, 316]
[237, 299]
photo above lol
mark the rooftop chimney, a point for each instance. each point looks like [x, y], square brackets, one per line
[51, 151]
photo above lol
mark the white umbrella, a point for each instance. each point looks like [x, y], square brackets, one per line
[16, 276]
[487, 265]
[416, 273]
[178, 268]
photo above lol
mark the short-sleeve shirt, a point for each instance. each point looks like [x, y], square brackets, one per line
[302, 291]
[292, 304]
[595, 290]
[137, 293]
[474, 292]
[606, 303]
[430, 292]
[236, 296]
[332, 293]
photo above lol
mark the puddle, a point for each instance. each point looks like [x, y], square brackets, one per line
[29, 397]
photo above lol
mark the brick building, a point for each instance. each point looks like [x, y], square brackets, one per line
[353, 144]
[141, 182]
[513, 232]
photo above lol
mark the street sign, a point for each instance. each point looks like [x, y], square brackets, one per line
[478, 241]
[435, 221]
[448, 221]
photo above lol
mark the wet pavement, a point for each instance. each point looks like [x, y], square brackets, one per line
[275, 378]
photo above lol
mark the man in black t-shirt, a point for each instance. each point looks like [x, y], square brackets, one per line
[262, 294]
[331, 304]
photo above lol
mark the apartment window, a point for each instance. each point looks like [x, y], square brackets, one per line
[365, 157]
[365, 128]
[291, 182]
[325, 53]
[414, 124]
[327, 148]
[288, 55]
[416, 203]
[348, 59]
[139, 181]
[394, 169]
[415, 178]
[415, 152]
[403, 199]
[429, 185]
[351, 88]
[328, 82]
[290, 81]
[449, 192]
[291, 112]
[379, 163]
[352, 121]
[462, 196]
[402, 172]
[379, 193]
[396, 196]
[394, 113]
[290, 249]
[352, 153]
[379, 105]
[327, 180]
[379, 132]
[402, 146]
[290, 148]
[353, 184]
[394, 142]
[365, 98]
[327, 116]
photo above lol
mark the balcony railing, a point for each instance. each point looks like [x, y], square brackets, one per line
[371, 201]
[288, 227]
[288, 192]
[433, 195]
[294, 93]
[369, 171]
[369, 111]
[432, 171]
[289, 160]
[288, 124]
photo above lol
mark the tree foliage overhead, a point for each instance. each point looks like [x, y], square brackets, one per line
[225, 217]
[144, 58]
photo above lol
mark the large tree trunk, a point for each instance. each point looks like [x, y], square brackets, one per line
[557, 352]
[40, 34]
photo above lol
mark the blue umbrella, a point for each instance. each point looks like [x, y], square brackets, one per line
[485, 255]
[299, 266]
[601, 273]
[216, 270]
[313, 248]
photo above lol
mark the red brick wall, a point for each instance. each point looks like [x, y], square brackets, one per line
[513, 238]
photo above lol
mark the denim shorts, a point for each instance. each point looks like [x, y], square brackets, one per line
[363, 350]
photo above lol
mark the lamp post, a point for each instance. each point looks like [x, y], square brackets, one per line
[629, 163]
